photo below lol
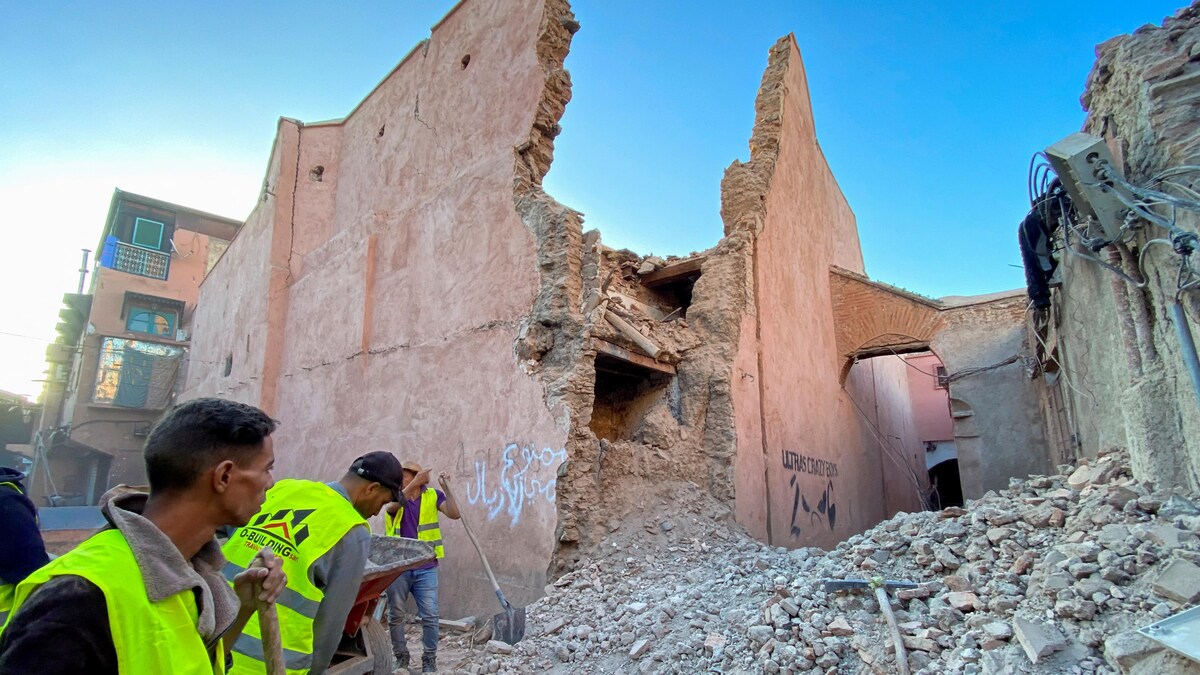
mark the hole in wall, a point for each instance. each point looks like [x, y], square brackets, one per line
[466, 61]
[625, 393]
[228, 364]
[317, 173]
[382, 129]
[672, 291]
[676, 295]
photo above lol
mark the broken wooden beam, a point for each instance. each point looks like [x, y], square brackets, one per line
[620, 353]
[680, 271]
[634, 335]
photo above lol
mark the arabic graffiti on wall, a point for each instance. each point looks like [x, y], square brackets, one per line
[527, 477]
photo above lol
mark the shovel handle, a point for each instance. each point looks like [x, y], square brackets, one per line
[268, 628]
[478, 549]
[885, 606]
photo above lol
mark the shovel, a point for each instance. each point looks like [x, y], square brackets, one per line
[881, 588]
[509, 625]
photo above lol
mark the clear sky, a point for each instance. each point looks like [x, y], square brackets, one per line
[927, 112]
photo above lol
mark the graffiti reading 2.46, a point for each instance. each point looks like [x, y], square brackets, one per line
[825, 511]
[527, 475]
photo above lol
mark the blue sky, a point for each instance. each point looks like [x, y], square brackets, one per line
[927, 112]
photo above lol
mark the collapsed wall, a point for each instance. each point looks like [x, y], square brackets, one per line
[740, 397]
[1129, 387]
[406, 284]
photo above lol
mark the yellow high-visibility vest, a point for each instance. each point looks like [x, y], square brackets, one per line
[428, 528]
[149, 637]
[301, 521]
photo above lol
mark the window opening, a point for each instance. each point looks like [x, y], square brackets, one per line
[151, 322]
[148, 233]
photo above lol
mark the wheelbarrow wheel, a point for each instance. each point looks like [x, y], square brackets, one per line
[379, 646]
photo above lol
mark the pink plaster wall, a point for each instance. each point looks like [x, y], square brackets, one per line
[931, 405]
[229, 320]
[410, 246]
[818, 446]
[750, 464]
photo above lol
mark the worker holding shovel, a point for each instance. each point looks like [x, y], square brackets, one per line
[146, 593]
[418, 519]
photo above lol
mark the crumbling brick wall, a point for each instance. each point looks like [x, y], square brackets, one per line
[1141, 97]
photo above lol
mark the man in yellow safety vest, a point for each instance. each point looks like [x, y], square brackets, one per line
[417, 518]
[320, 532]
[146, 594]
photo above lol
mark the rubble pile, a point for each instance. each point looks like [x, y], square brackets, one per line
[1052, 575]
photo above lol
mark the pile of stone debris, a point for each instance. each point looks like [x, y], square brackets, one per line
[1052, 575]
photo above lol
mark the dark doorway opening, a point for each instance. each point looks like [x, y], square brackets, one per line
[946, 485]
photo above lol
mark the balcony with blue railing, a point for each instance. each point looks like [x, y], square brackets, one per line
[141, 261]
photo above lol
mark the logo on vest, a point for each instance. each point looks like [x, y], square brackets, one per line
[282, 530]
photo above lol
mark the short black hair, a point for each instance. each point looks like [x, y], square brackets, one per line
[202, 432]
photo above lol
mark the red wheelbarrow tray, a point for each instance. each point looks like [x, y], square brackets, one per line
[389, 557]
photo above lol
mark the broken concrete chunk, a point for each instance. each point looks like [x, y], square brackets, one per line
[998, 630]
[714, 643]
[1178, 506]
[957, 583]
[1124, 650]
[920, 644]
[913, 593]
[840, 627]
[761, 634]
[999, 534]
[963, 601]
[1037, 639]
[1179, 582]
[1083, 476]
[498, 647]
[554, 626]
[639, 648]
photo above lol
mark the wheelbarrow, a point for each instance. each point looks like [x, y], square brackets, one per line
[366, 645]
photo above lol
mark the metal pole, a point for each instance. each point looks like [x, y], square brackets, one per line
[1188, 344]
[83, 270]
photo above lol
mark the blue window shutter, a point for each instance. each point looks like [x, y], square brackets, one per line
[109, 252]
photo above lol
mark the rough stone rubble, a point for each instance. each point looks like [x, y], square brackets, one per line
[1052, 575]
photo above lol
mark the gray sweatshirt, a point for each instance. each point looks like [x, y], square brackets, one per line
[338, 574]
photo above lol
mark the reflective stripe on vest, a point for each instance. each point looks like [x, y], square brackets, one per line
[300, 520]
[148, 637]
[429, 530]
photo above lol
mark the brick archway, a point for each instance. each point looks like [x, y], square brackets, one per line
[874, 319]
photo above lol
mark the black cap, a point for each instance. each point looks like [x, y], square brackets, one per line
[380, 467]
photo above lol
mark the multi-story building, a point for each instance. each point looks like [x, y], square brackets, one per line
[122, 347]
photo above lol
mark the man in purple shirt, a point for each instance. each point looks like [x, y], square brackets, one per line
[418, 519]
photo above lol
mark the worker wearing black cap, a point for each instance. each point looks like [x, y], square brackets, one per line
[320, 531]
